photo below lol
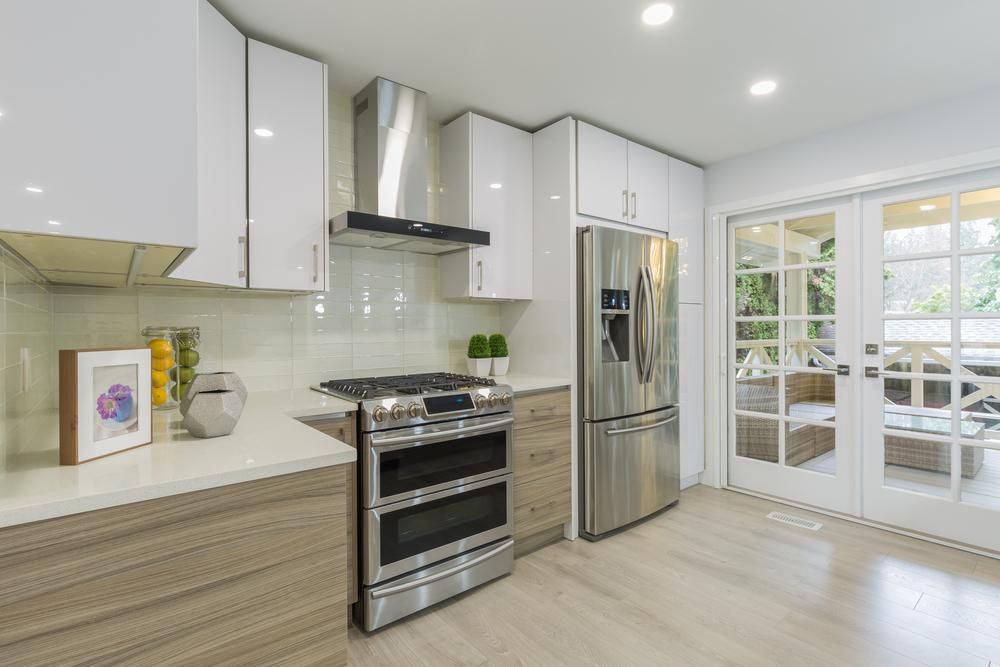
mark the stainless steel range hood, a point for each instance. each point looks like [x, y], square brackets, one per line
[390, 177]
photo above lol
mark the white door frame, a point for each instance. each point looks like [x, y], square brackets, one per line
[716, 275]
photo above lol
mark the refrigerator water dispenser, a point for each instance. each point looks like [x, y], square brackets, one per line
[615, 318]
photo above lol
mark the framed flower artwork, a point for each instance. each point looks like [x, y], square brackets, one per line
[104, 402]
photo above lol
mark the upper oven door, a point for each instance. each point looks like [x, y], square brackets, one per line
[409, 462]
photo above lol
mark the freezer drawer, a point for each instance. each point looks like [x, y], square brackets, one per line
[631, 468]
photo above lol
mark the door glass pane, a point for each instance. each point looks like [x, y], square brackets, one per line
[918, 465]
[810, 292]
[917, 346]
[756, 295]
[757, 438]
[811, 447]
[980, 410]
[811, 343]
[917, 286]
[757, 246]
[757, 392]
[981, 283]
[757, 343]
[811, 396]
[981, 477]
[917, 405]
[810, 239]
[922, 225]
[979, 218]
[980, 351]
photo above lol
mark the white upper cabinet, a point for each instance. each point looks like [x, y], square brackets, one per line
[621, 180]
[687, 227]
[220, 258]
[98, 133]
[486, 173]
[286, 114]
[649, 184]
[602, 161]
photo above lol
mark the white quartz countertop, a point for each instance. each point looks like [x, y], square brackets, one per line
[523, 383]
[268, 441]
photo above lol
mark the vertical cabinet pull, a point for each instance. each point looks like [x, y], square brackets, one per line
[315, 262]
[479, 266]
[633, 206]
[242, 245]
[625, 203]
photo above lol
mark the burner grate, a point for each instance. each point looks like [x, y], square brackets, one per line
[407, 385]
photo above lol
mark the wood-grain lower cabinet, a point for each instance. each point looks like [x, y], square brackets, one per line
[345, 430]
[542, 468]
[246, 574]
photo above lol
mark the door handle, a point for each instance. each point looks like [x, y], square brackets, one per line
[653, 328]
[625, 203]
[633, 206]
[636, 429]
[841, 369]
[315, 262]
[874, 372]
[479, 265]
[242, 245]
[402, 588]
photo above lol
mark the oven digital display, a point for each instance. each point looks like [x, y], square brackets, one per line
[436, 405]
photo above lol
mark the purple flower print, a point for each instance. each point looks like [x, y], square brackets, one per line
[107, 406]
[115, 403]
[120, 392]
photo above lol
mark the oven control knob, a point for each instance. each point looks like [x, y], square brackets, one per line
[379, 413]
[480, 401]
[415, 410]
[505, 399]
[396, 411]
[494, 399]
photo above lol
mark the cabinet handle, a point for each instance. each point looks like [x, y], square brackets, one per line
[479, 265]
[625, 203]
[633, 206]
[549, 408]
[315, 262]
[242, 245]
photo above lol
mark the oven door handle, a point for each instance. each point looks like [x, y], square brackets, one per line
[402, 588]
[450, 433]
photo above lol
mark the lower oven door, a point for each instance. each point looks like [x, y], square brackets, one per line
[409, 462]
[414, 533]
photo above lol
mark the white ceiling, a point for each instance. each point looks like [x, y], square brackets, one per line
[681, 87]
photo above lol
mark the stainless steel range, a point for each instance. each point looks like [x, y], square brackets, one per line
[436, 503]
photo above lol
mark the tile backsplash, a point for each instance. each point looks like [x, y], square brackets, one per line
[383, 314]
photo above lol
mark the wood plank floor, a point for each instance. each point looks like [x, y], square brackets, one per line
[712, 582]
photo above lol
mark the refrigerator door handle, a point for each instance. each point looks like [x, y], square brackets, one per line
[654, 334]
[636, 429]
[648, 324]
[641, 344]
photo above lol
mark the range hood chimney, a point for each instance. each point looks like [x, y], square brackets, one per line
[390, 177]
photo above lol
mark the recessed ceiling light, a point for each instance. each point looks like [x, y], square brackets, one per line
[263, 132]
[765, 87]
[928, 207]
[657, 14]
[554, 197]
[54, 222]
[32, 188]
[496, 186]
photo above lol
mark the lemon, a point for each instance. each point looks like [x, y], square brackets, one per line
[160, 348]
[160, 379]
[163, 363]
[159, 396]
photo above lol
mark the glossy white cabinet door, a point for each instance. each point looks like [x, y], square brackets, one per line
[602, 173]
[286, 110]
[220, 257]
[99, 119]
[649, 184]
[691, 345]
[501, 205]
[687, 227]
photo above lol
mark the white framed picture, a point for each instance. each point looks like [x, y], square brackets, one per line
[104, 402]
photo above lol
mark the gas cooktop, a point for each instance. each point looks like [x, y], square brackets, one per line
[392, 386]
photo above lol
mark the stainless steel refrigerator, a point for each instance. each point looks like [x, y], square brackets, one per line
[630, 462]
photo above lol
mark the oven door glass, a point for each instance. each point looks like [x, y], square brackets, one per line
[418, 532]
[428, 462]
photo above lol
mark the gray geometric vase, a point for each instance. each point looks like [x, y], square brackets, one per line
[213, 412]
[213, 382]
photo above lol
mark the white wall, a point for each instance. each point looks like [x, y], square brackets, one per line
[957, 126]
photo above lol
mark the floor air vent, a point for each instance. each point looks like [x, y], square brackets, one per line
[793, 520]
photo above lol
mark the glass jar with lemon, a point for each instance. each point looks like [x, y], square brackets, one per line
[175, 357]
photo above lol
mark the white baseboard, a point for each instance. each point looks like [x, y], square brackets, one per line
[690, 481]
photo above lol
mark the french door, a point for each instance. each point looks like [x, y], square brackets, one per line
[931, 335]
[792, 340]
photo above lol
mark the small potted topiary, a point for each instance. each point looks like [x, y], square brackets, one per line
[501, 357]
[479, 355]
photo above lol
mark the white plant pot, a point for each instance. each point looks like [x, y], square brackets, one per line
[479, 367]
[500, 365]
